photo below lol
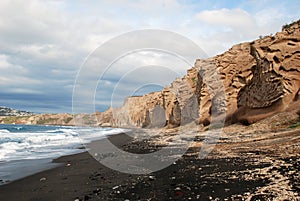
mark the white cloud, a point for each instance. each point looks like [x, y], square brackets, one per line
[233, 18]
[7, 68]
[224, 27]
[4, 64]
[13, 75]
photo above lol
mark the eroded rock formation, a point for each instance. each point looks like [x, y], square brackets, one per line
[247, 83]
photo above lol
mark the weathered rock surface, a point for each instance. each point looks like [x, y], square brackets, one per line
[247, 83]
[275, 81]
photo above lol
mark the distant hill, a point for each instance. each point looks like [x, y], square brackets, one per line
[5, 111]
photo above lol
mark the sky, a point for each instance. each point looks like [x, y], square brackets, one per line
[44, 44]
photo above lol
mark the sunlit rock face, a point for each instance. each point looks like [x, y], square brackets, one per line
[247, 83]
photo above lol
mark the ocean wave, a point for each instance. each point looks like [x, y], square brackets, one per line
[4, 131]
[37, 142]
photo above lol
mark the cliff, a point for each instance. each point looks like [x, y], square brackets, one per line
[249, 82]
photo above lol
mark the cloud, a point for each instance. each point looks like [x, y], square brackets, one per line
[13, 75]
[134, 72]
[232, 18]
[225, 27]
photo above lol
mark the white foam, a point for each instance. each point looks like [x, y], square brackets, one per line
[51, 143]
[4, 131]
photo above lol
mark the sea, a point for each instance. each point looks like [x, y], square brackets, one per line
[27, 149]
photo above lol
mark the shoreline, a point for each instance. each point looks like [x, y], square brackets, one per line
[37, 150]
[53, 183]
[241, 167]
[31, 156]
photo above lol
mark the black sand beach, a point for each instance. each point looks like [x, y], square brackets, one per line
[254, 170]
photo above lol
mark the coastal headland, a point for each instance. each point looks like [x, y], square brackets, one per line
[255, 158]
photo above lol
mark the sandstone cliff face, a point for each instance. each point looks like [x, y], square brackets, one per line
[247, 83]
[275, 82]
[137, 111]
